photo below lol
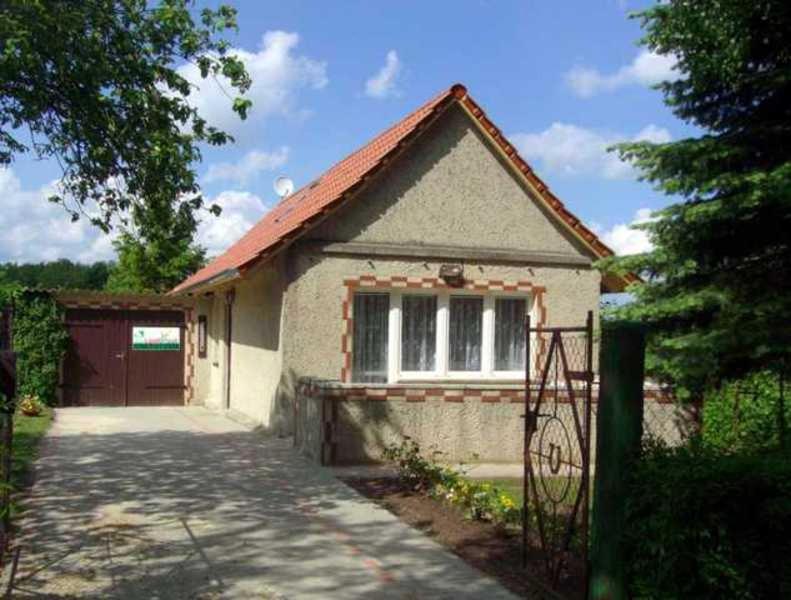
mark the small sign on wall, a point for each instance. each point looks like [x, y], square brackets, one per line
[156, 338]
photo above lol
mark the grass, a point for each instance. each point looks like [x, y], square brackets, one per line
[28, 432]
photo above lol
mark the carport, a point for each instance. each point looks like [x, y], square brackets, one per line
[126, 350]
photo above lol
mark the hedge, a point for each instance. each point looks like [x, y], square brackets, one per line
[708, 524]
[745, 415]
[40, 340]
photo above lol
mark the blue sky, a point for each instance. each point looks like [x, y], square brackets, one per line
[562, 79]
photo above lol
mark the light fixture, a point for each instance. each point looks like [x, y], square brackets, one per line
[453, 275]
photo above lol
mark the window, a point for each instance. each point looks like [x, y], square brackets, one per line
[466, 333]
[418, 333]
[202, 334]
[509, 333]
[439, 334]
[369, 345]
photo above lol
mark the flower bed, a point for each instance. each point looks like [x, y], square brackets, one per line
[480, 500]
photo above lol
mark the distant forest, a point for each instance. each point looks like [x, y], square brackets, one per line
[61, 273]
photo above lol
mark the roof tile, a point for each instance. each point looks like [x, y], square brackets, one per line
[321, 194]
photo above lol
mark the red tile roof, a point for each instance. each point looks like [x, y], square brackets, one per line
[298, 212]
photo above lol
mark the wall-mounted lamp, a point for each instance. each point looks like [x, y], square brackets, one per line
[453, 275]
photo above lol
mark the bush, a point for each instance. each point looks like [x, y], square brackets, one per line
[481, 501]
[743, 415]
[705, 524]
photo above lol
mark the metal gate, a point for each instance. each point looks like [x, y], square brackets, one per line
[558, 379]
[106, 366]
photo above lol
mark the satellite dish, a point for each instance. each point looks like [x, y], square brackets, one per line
[283, 186]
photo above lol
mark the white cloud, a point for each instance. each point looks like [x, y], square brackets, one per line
[384, 83]
[278, 76]
[248, 167]
[32, 229]
[648, 68]
[625, 240]
[240, 211]
[573, 150]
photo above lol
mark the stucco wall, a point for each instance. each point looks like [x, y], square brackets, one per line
[210, 370]
[450, 188]
[461, 423]
[255, 349]
[202, 384]
[255, 346]
[313, 329]
[307, 425]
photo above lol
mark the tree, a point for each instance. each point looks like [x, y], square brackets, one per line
[94, 84]
[716, 292]
[158, 252]
[61, 273]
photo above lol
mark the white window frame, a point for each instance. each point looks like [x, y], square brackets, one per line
[441, 372]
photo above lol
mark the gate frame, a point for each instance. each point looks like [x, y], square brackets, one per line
[531, 428]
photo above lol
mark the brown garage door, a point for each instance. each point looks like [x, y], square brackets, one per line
[124, 358]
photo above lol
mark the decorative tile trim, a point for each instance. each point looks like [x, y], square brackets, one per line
[403, 282]
[487, 395]
[189, 367]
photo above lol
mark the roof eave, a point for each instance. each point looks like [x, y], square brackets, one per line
[205, 285]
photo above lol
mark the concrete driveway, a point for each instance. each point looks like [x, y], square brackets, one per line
[184, 503]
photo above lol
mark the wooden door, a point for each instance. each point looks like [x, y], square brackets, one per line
[94, 369]
[156, 370]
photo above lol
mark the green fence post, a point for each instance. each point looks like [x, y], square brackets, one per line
[619, 430]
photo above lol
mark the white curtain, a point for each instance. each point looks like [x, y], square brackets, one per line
[509, 334]
[369, 346]
[418, 333]
[466, 323]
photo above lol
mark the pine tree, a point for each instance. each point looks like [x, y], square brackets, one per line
[717, 283]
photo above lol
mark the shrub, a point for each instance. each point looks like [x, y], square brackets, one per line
[743, 415]
[705, 524]
[480, 500]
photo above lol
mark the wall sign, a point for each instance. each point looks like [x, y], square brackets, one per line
[156, 338]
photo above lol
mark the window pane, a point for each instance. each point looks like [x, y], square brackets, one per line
[466, 322]
[509, 334]
[418, 333]
[369, 346]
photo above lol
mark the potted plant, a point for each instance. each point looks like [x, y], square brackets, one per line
[31, 406]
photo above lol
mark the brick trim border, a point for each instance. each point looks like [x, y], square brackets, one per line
[353, 284]
[493, 395]
[189, 333]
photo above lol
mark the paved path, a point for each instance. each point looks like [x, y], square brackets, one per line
[175, 503]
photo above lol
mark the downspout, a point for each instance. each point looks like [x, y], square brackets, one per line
[230, 295]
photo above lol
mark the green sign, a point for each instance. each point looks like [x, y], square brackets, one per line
[156, 338]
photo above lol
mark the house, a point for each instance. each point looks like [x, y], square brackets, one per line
[397, 281]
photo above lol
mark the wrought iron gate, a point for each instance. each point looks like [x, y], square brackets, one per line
[558, 379]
